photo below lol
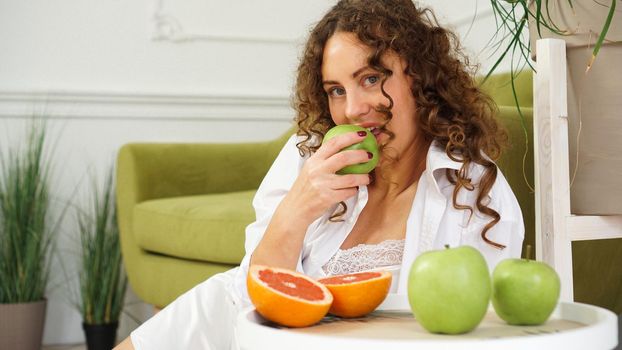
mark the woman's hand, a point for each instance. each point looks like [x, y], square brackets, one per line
[318, 187]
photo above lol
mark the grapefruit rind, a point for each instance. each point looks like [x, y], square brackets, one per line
[282, 308]
[357, 299]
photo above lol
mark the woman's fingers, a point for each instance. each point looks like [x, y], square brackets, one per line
[344, 194]
[332, 158]
[344, 158]
[349, 181]
[346, 186]
[341, 187]
[337, 143]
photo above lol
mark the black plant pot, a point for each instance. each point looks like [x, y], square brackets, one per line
[100, 336]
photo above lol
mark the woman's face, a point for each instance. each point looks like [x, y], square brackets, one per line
[353, 90]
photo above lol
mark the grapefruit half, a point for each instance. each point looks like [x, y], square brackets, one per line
[287, 297]
[357, 294]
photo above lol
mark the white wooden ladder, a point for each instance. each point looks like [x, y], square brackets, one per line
[556, 227]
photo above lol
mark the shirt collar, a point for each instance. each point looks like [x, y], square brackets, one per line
[438, 159]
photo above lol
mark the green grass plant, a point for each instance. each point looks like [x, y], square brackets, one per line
[25, 232]
[511, 18]
[102, 280]
[509, 40]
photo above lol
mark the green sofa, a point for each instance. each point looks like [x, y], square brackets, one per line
[182, 208]
[182, 211]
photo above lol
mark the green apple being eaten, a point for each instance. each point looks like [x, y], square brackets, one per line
[524, 292]
[449, 289]
[368, 144]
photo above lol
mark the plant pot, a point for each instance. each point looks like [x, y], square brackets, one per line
[100, 336]
[595, 99]
[21, 325]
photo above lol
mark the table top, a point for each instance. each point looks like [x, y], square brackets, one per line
[571, 326]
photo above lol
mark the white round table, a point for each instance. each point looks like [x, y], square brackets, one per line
[392, 326]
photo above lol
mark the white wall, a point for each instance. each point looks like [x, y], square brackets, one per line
[111, 72]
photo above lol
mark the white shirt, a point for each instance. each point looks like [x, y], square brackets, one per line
[432, 222]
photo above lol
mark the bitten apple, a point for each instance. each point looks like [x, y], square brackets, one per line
[449, 289]
[368, 144]
[525, 292]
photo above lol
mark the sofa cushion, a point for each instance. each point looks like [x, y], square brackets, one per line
[206, 227]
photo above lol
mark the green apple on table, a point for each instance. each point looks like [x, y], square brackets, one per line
[525, 292]
[449, 289]
[368, 144]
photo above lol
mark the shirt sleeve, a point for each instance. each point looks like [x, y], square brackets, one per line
[275, 185]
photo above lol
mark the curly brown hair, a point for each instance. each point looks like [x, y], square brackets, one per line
[451, 109]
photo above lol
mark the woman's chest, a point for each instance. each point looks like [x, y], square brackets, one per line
[378, 222]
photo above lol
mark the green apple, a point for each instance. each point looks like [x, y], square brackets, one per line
[449, 289]
[368, 144]
[525, 292]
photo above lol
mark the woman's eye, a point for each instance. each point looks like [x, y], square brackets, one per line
[372, 79]
[337, 91]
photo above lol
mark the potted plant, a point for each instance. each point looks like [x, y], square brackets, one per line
[593, 34]
[102, 280]
[26, 239]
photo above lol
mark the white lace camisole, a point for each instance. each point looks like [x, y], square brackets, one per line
[386, 255]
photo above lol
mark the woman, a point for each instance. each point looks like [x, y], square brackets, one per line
[388, 67]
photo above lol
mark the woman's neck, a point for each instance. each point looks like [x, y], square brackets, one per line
[394, 177]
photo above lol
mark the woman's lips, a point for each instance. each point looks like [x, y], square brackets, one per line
[377, 132]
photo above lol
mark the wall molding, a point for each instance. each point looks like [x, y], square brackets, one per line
[168, 27]
[147, 106]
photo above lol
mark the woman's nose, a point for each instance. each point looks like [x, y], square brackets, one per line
[357, 105]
